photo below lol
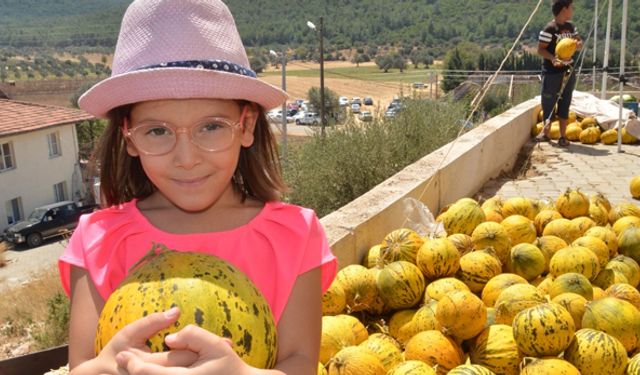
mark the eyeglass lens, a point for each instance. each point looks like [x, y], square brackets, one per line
[159, 138]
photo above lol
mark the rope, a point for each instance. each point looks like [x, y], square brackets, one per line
[477, 100]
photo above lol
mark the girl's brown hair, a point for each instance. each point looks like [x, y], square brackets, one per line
[258, 174]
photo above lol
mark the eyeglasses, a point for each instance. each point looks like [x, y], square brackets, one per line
[157, 138]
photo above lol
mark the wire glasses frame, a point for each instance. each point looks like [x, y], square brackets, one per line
[158, 138]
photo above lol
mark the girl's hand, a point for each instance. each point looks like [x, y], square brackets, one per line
[132, 339]
[194, 351]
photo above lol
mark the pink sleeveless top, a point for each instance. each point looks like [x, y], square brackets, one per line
[273, 249]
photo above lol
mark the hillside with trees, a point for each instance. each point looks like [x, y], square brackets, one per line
[433, 26]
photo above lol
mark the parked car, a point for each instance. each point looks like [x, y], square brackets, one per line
[365, 116]
[391, 112]
[355, 108]
[47, 221]
[356, 100]
[343, 101]
[367, 100]
[309, 118]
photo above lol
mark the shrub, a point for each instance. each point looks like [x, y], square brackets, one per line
[327, 173]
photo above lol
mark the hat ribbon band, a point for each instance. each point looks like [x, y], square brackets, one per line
[218, 65]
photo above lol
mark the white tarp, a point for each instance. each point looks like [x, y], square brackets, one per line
[605, 112]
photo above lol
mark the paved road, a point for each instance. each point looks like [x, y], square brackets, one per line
[22, 264]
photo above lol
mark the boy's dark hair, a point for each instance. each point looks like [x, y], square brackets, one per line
[558, 5]
[122, 178]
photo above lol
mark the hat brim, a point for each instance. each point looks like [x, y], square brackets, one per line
[177, 83]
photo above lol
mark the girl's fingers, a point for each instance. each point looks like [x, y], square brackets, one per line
[135, 365]
[199, 341]
[139, 331]
[173, 358]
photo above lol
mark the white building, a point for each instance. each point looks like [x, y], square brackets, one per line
[38, 157]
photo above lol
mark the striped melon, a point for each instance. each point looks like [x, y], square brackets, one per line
[526, 260]
[441, 287]
[574, 259]
[543, 218]
[334, 300]
[621, 210]
[547, 366]
[609, 137]
[519, 206]
[590, 136]
[634, 187]
[565, 48]
[461, 314]
[573, 203]
[335, 337]
[400, 244]
[582, 224]
[496, 349]
[355, 360]
[627, 266]
[624, 292]
[625, 222]
[608, 236]
[597, 246]
[497, 284]
[514, 299]
[210, 292]
[607, 277]
[386, 349]
[629, 243]
[359, 284]
[462, 216]
[549, 245]
[520, 229]
[594, 352]
[562, 228]
[601, 199]
[412, 367]
[438, 258]
[435, 349]
[616, 317]
[494, 235]
[598, 213]
[401, 285]
[633, 368]
[353, 325]
[462, 242]
[571, 282]
[471, 370]
[477, 268]
[543, 330]
[575, 305]
[401, 326]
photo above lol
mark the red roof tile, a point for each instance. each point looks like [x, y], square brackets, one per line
[21, 117]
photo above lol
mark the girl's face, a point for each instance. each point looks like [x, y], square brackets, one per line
[190, 177]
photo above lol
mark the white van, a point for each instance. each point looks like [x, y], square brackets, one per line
[309, 118]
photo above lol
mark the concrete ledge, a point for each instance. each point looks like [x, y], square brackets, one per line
[458, 169]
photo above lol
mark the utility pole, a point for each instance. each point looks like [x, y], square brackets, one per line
[323, 115]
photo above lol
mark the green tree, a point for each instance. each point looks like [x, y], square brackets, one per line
[331, 103]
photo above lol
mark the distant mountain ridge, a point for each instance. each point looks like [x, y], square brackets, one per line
[436, 25]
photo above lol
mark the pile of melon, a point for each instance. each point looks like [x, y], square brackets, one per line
[517, 286]
[584, 130]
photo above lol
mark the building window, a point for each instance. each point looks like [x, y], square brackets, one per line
[14, 210]
[60, 191]
[54, 144]
[6, 157]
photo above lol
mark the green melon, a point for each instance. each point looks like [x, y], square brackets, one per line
[210, 292]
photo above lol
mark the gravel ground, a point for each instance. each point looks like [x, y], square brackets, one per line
[21, 263]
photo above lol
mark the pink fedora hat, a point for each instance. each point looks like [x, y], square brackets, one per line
[178, 49]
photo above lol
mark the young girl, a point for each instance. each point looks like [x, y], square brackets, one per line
[189, 161]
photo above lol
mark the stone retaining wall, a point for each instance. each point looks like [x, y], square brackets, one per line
[458, 169]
